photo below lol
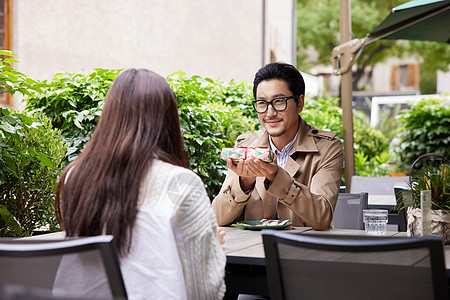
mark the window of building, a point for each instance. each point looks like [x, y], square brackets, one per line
[405, 76]
[5, 38]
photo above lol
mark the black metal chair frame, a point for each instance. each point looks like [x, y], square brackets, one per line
[401, 206]
[41, 247]
[271, 238]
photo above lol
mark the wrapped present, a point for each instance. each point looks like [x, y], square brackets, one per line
[236, 153]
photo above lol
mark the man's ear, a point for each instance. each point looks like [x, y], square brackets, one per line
[301, 103]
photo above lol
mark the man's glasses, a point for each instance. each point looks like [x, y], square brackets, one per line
[278, 104]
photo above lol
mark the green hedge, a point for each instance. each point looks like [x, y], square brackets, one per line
[31, 155]
[212, 113]
[371, 147]
[73, 101]
[209, 111]
[425, 128]
[31, 160]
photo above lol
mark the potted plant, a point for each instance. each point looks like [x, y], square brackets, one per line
[432, 175]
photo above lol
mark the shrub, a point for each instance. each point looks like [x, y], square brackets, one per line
[31, 160]
[73, 102]
[324, 115]
[425, 128]
[211, 118]
[13, 81]
[371, 147]
[212, 113]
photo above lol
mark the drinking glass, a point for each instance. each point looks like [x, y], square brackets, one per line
[375, 221]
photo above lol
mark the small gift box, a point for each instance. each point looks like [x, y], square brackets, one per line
[263, 153]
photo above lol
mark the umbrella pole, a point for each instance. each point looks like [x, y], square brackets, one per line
[346, 95]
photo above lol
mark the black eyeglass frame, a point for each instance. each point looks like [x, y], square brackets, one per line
[271, 103]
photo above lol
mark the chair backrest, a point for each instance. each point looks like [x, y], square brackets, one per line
[75, 267]
[348, 213]
[378, 185]
[301, 266]
[403, 198]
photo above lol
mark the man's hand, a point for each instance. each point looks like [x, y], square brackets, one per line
[249, 169]
[220, 235]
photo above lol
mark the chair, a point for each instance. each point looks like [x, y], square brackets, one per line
[302, 266]
[18, 292]
[403, 198]
[84, 267]
[381, 188]
[348, 213]
[377, 185]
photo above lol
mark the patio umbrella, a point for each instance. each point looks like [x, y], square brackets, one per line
[427, 20]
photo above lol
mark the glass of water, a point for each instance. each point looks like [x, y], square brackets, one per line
[375, 221]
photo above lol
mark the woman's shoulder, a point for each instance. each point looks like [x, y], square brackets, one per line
[166, 180]
[169, 171]
[163, 175]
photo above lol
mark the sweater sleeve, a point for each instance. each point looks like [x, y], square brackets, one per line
[199, 249]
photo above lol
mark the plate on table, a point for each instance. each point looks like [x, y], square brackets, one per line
[262, 224]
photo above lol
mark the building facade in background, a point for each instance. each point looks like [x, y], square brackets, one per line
[5, 38]
[211, 38]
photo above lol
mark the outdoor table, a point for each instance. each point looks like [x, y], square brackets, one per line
[245, 272]
[385, 200]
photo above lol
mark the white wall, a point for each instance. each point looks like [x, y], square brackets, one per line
[210, 38]
[443, 82]
[280, 30]
[204, 37]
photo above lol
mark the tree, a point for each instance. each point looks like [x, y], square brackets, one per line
[318, 27]
[433, 56]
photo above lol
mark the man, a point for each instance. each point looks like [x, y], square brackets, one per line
[304, 184]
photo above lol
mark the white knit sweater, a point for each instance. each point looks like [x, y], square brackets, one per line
[175, 253]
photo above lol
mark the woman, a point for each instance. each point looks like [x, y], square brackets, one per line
[131, 182]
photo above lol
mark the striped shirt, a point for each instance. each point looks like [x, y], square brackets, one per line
[282, 156]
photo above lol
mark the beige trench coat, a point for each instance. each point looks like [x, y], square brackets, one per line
[305, 191]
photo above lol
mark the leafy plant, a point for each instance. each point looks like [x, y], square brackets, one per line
[372, 155]
[31, 160]
[435, 179]
[378, 165]
[369, 140]
[324, 115]
[196, 90]
[210, 118]
[73, 102]
[425, 128]
[387, 120]
[212, 113]
[13, 81]
[209, 122]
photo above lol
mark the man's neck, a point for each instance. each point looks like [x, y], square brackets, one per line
[281, 141]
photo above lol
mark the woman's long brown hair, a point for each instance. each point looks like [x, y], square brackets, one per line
[139, 122]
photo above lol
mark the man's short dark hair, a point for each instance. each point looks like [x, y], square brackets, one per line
[282, 71]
